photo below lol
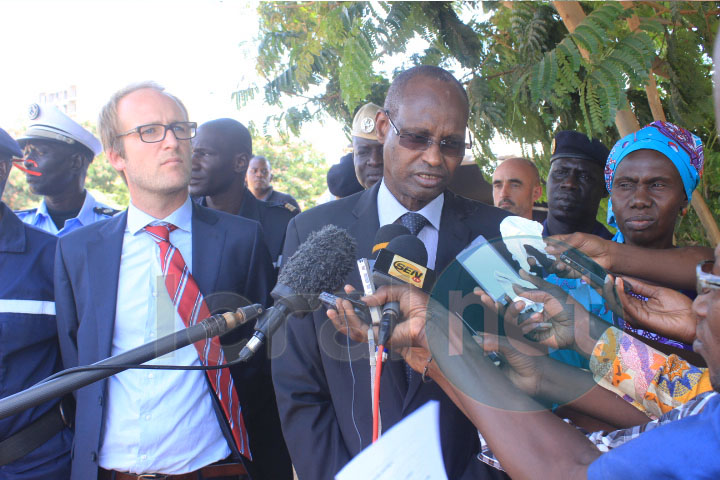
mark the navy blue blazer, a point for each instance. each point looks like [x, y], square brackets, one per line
[230, 261]
[323, 386]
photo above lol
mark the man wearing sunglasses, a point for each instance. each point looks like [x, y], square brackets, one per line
[147, 272]
[57, 152]
[323, 398]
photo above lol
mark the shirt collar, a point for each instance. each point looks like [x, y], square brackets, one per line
[390, 209]
[85, 216]
[181, 218]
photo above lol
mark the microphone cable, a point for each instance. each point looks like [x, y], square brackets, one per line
[376, 392]
[134, 366]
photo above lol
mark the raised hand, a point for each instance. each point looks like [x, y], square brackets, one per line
[666, 311]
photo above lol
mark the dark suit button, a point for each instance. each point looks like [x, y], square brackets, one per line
[93, 457]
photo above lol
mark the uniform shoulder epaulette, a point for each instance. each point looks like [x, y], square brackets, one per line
[286, 205]
[107, 211]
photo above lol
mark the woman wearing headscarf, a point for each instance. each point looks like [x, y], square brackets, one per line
[651, 175]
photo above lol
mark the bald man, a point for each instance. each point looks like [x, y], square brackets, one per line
[516, 186]
[222, 150]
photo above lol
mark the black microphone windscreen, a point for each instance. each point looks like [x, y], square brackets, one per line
[321, 262]
[385, 234]
[410, 247]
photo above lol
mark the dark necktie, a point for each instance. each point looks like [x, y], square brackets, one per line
[413, 221]
[191, 307]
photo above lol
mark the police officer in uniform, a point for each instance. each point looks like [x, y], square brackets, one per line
[34, 444]
[367, 150]
[57, 152]
[259, 177]
[575, 185]
[222, 149]
[363, 167]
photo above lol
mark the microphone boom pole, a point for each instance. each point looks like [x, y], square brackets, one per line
[57, 387]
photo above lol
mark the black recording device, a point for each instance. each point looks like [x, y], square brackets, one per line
[577, 261]
[359, 307]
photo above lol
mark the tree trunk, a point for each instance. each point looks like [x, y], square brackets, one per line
[697, 201]
[572, 14]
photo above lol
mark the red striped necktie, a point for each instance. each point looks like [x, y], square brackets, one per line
[191, 307]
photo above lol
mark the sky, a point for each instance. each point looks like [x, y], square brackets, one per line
[199, 50]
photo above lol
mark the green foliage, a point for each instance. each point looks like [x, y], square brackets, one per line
[17, 194]
[297, 168]
[526, 76]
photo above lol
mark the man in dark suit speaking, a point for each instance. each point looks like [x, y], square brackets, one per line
[322, 379]
[149, 271]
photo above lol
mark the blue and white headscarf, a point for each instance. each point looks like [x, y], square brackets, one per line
[681, 147]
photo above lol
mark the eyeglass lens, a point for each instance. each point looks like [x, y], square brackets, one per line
[414, 141]
[156, 132]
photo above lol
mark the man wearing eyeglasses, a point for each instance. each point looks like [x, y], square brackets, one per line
[57, 152]
[323, 398]
[151, 270]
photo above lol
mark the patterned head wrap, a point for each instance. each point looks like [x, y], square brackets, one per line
[681, 147]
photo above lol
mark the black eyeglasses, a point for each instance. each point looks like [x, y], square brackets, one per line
[155, 132]
[415, 141]
[706, 281]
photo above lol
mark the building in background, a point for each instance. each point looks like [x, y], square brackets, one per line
[65, 99]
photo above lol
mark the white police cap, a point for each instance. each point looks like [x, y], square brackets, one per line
[48, 122]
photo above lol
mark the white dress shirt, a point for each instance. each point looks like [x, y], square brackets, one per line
[156, 421]
[390, 209]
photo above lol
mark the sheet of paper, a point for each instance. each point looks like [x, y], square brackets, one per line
[408, 451]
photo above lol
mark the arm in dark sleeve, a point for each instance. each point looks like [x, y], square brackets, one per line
[66, 313]
[261, 274]
[307, 414]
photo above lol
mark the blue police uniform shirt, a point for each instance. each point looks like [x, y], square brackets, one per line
[91, 212]
[584, 295]
[28, 341]
[688, 448]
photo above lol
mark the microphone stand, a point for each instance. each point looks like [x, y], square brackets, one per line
[57, 387]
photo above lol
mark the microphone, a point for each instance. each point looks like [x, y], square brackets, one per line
[404, 260]
[385, 234]
[391, 268]
[57, 387]
[320, 264]
[382, 238]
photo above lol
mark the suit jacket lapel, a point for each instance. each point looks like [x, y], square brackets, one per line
[454, 235]
[207, 243]
[105, 251]
[363, 228]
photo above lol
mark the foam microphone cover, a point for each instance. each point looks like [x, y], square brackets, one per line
[320, 264]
